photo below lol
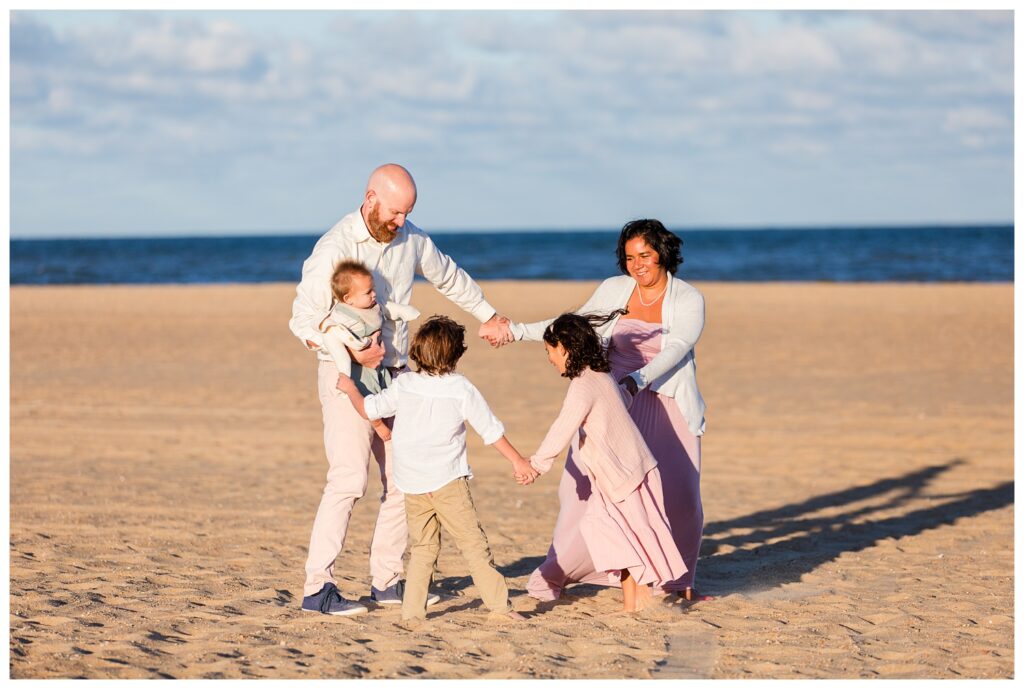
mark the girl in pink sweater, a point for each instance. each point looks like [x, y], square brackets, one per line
[624, 528]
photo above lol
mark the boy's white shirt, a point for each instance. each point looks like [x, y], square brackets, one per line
[341, 328]
[428, 440]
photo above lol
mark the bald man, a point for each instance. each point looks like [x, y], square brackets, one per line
[380, 236]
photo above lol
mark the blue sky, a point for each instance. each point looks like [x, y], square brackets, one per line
[164, 123]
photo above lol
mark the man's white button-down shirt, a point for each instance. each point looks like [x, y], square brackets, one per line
[393, 265]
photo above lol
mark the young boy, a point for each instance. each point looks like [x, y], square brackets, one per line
[431, 408]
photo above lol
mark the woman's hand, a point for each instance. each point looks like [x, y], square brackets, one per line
[630, 385]
[496, 331]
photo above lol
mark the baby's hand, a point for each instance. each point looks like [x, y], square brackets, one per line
[382, 430]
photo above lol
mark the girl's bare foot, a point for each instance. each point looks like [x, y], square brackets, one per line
[629, 592]
[643, 597]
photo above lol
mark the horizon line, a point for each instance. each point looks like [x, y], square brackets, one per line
[284, 233]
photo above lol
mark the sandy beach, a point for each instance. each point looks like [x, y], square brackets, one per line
[167, 461]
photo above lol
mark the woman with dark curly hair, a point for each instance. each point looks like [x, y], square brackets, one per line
[651, 354]
[623, 528]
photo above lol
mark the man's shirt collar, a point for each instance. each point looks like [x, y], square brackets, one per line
[359, 231]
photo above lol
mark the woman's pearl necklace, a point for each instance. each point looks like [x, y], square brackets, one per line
[640, 295]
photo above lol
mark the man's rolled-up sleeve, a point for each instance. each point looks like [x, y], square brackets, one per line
[450, 280]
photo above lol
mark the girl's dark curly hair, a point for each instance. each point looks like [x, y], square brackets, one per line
[576, 333]
[666, 244]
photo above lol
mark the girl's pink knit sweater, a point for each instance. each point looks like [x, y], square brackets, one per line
[605, 442]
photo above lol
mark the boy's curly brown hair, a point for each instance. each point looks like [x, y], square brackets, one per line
[576, 333]
[438, 345]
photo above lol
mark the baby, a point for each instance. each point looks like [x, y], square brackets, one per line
[355, 322]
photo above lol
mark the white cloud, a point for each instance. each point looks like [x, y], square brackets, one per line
[579, 92]
[802, 99]
[785, 50]
[60, 100]
[955, 26]
[799, 147]
[974, 118]
[49, 141]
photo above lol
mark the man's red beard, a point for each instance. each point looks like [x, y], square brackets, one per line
[379, 230]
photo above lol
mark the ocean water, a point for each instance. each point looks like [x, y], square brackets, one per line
[870, 254]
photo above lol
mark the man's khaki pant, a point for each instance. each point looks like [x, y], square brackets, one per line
[450, 506]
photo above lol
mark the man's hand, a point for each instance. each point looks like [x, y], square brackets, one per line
[496, 331]
[630, 384]
[371, 356]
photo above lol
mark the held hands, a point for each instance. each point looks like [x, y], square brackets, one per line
[523, 472]
[496, 331]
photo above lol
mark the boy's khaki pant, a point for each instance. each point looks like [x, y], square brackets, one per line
[450, 506]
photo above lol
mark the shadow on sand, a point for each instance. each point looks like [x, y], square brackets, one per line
[809, 541]
[802, 540]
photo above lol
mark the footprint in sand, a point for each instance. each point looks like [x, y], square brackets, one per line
[690, 654]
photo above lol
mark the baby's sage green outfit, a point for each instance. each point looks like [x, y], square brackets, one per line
[370, 381]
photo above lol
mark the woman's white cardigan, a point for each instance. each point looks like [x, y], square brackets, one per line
[673, 372]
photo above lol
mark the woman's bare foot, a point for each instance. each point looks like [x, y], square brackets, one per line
[693, 595]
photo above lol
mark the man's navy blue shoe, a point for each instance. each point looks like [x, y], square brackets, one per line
[329, 602]
[393, 594]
